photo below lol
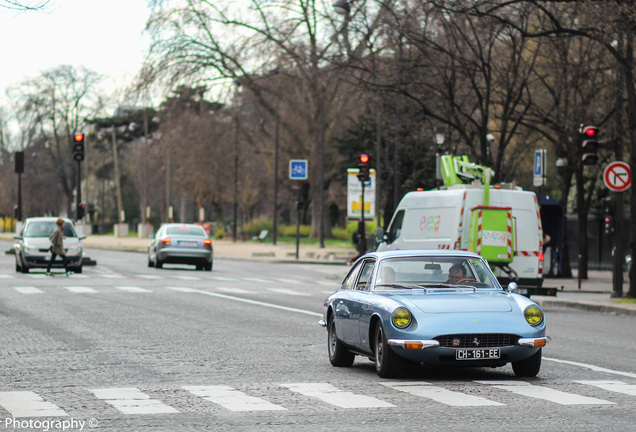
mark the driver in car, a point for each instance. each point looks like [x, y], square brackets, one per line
[456, 273]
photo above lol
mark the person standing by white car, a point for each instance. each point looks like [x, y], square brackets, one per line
[57, 247]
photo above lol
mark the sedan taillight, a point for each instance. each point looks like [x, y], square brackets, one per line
[207, 243]
[165, 242]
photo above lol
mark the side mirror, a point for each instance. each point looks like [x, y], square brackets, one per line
[512, 286]
[380, 235]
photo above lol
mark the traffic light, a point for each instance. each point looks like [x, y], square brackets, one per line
[78, 147]
[81, 210]
[608, 225]
[588, 136]
[363, 167]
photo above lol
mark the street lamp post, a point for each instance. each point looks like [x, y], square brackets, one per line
[237, 81]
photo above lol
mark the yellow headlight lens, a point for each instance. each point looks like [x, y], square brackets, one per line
[401, 317]
[533, 315]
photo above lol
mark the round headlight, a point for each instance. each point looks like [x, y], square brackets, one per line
[401, 317]
[533, 315]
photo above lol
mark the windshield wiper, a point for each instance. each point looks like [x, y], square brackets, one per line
[395, 285]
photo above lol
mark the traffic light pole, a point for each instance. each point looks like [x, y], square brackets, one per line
[79, 191]
[362, 238]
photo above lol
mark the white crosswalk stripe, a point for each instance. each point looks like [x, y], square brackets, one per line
[289, 281]
[133, 289]
[545, 393]
[440, 394]
[6, 276]
[613, 386]
[80, 289]
[149, 276]
[188, 278]
[221, 278]
[131, 400]
[255, 279]
[234, 290]
[28, 404]
[28, 290]
[334, 396]
[232, 399]
[111, 276]
[287, 291]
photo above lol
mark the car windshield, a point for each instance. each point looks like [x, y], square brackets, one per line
[193, 231]
[45, 228]
[433, 272]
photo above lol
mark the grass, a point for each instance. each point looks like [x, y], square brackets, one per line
[626, 300]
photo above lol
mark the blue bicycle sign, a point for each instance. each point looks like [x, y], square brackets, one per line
[298, 169]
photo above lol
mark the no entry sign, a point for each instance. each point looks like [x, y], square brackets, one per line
[617, 176]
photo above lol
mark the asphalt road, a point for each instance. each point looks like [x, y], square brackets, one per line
[125, 347]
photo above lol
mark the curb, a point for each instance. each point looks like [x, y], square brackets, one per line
[589, 307]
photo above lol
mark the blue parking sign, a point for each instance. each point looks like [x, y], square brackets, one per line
[298, 169]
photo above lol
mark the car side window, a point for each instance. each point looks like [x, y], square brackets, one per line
[350, 280]
[396, 226]
[365, 275]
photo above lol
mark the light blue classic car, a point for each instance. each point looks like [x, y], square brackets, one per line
[434, 308]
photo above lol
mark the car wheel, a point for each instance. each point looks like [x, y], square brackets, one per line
[529, 367]
[158, 263]
[77, 269]
[208, 267]
[24, 269]
[338, 355]
[387, 363]
[17, 265]
[150, 263]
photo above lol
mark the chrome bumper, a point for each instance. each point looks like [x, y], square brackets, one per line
[413, 344]
[534, 342]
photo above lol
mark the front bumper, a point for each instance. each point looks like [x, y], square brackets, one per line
[42, 261]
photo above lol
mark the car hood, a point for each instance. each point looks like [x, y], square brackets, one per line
[461, 302]
[44, 242]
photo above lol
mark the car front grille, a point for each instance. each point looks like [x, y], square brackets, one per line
[477, 340]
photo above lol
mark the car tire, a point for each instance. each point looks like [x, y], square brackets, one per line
[529, 367]
[158, 263]
[17, 265]
[387, 363]
[77, 269]
[150, 263]
[208, 267]
[24, 268]
[339, 355]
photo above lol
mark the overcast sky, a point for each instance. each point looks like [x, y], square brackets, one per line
[105, 36]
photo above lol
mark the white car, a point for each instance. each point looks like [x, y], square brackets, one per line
[32, 245]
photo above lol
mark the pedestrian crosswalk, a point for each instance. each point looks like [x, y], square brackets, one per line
[316, 395]
[96, 275]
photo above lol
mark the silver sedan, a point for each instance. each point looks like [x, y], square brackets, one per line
[181, 244]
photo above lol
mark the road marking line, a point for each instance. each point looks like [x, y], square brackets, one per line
[188, 278]
[148, 276]
[592, 367]
[6, 276]
[334, 396]
[545, 393]
[232, 399]
[441, 395]
[80, 289]
[28, 290]
[183, 289]
[28, 404]
[221, 278]
[234, 290]
[79, 276]
[133, 289]
[287, 292]
[328, 283]
[112, 276]
[254, 302]
[131, 400]
[254, 279]
[613, 386]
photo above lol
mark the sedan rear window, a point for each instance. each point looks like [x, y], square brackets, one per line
[186, 231]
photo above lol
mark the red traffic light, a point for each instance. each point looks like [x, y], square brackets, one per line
[590, 131]
[78, 137]
[364, 159]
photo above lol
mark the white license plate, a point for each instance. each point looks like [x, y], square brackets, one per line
[187, 243]
[477, 354]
